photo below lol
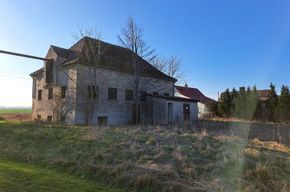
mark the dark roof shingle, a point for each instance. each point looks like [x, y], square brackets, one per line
[114, 57]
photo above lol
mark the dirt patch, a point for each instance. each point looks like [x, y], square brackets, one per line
[16, 117]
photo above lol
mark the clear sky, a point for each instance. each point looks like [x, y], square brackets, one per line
[222, 43]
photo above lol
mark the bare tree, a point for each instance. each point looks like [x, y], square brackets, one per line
[131, 37]
[91, 55]
[160, 63]
[171, 66]
[174, 67]
[60, 106]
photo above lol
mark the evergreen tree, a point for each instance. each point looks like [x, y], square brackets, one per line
[240, 103]
[225, 105]
[252, 103]
[271, 104]
[283, 104]
[234, 96]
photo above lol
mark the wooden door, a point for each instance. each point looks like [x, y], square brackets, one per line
[186, 112]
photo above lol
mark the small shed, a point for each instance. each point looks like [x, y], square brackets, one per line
[161, 109]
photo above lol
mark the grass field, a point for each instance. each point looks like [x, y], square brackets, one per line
[22, 177]
[15, 110]
[142, 158]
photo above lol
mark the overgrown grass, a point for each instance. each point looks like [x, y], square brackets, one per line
[149, 158]
[20, 177]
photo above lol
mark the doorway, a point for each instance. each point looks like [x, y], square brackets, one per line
[186, 112]
[102, 120]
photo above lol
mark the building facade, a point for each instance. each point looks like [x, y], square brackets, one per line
[72, 90]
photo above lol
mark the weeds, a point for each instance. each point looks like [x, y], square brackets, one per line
[149, 159]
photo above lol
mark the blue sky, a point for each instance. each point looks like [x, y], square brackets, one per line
[222, 43]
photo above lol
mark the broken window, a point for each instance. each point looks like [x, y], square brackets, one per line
[39, 94]
[112, 93]
[50, 93]
[129, 95]
[63, 91]
[49, 118]
[92, 92]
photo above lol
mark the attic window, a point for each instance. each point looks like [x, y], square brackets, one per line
[49, 71]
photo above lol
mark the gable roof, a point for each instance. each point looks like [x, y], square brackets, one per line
[113, 57]
[193, 93]
[64, 53]
[38, 71]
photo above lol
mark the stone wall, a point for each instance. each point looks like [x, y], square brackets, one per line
[117, 111]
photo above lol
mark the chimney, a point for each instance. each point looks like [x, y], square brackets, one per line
[185, 85]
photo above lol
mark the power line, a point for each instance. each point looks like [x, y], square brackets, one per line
[23, 55]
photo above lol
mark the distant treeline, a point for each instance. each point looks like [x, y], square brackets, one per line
[249, 105]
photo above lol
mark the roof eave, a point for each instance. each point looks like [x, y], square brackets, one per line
[36, 72]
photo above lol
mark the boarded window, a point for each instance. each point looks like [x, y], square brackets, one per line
[155, 93]
[50, 93]
[92, 92]
[39, 94]
[63, 91]
[166, 94]
[49, 71]
[129, 95]
[112, 93]
[102, 120]
[49, 118]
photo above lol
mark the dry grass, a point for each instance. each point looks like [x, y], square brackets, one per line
[15, 114]
[150, 158]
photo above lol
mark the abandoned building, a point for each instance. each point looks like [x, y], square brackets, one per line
[111, 90]
[193, 93]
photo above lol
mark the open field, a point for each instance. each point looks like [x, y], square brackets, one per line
[19, 114]
[148, 158]
[15, 110]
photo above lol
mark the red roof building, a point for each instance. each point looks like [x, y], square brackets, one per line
[192, 93]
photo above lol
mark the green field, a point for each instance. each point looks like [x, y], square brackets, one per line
[15, 110]
[34, 156]
[22, 177]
